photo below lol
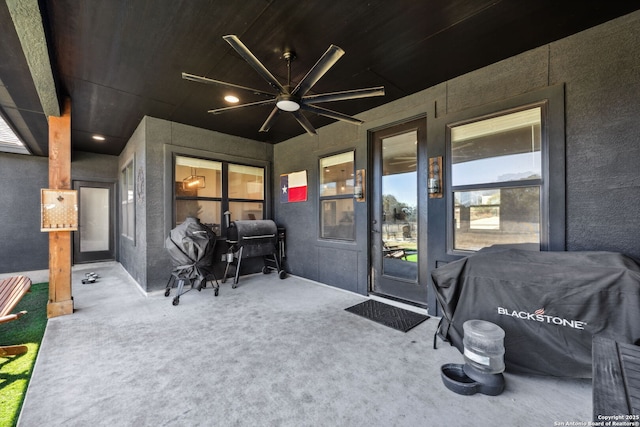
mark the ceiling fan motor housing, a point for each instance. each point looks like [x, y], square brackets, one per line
[288, 102]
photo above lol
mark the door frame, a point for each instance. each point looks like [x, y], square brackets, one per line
[109, 255]
[419, 296]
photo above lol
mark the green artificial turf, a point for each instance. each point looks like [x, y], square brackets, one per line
[15, 371]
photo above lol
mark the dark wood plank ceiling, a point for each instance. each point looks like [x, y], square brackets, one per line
[119, 60]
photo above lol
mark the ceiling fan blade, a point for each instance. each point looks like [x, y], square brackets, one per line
[344, 95]
[246, 54]
[331, 114]
[323, 65]
[304, 122]
[207, 80]
[236, 107]
[272, 118]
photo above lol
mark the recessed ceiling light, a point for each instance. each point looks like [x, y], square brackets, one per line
[232, 99]
[98, 137]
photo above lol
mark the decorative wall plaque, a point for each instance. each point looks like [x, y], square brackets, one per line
[59, 210]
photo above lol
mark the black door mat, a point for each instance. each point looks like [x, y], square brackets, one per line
[388, 315]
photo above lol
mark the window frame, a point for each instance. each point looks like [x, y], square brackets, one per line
[552, 147]
[322, 198]
[224, 199]
[225, 187]
[499, 185]
[128, 225]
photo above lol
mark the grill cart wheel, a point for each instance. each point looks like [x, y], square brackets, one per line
[266, 270]
[176, 301]
[167, 292]
[282, 274]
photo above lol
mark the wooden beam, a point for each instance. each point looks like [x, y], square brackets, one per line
[27, 19]
[60, 299]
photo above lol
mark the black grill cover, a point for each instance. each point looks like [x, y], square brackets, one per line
[191, 245]
[257, 237]
[550, 304]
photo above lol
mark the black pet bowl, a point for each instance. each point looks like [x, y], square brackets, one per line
[456, 380]
[489, 384]
[465, 380]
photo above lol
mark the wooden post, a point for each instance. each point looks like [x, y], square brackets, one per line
[60, 299]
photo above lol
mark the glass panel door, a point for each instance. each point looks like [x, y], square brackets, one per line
[395, 256]
[94, 240]
[94, 217]
[400, 206]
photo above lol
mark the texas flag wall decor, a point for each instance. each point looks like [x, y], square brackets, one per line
[293, 187]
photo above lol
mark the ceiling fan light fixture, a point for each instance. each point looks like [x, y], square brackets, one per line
[287, 98]
[232, 99]
[287, 105]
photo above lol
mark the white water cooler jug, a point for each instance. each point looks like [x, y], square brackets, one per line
[484, 361]
[484, 346]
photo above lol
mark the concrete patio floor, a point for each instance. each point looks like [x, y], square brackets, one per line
[269, 353]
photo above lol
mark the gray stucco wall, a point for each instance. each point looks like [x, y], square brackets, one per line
[23, 247]
[153, 145]
[600, 69]
[94, 167]
[132, 253]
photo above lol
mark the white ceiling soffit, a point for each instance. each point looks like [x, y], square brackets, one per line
[9, 141]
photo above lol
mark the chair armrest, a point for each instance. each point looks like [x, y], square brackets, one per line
[10, 317]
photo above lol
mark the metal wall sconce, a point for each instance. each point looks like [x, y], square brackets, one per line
[434, 180]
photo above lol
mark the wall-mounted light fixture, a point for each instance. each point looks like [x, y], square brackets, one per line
[434, 180]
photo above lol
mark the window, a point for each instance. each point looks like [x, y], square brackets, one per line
[9, 141]
[206, 188]
[246, 192]
[128, 207]
[336, 197]
[497, 180]
[198, 190]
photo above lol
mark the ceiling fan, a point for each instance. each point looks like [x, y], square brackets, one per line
[288, 98]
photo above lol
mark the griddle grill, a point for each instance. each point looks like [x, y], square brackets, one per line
[254, 238]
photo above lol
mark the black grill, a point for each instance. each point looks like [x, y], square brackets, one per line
[191, 246]
[254, 238]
